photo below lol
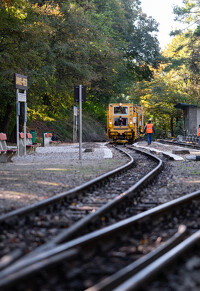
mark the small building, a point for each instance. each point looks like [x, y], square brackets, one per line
[191, 117]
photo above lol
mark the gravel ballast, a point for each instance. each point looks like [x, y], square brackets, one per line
[52, 170]
[56, 169]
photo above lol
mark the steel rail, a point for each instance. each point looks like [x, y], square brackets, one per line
[72, 231]
[28, 272]
[90, 239]
[75, 228]
[182, 144]
[126, 273]
[110, 282]
[71, 193]
[67, 234]
[148, 273]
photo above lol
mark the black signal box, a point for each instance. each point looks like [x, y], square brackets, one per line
[76, 93]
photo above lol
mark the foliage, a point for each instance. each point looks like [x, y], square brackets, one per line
[179, 128]
[176, 79]
[105, 45]
[110, 46]
[184, 52]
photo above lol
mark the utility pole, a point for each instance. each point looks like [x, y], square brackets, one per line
[80, 122]
[80, 96]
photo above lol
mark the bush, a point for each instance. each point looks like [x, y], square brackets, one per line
[179, 128]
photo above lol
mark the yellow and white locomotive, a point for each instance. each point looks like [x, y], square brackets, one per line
[124, 122]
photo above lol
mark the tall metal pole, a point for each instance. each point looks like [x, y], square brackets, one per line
[80, 122]
[75, 124]
[17, 125]
[74, 118]
[25, 119]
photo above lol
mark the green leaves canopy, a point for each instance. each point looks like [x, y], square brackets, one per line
[106, 45]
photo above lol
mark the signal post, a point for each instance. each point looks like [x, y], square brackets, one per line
[80, 96]
[21, 85]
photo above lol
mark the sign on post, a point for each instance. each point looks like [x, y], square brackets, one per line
[80, 96]
[21, 97]
[21, 83]
[76, 93]
[75, 111]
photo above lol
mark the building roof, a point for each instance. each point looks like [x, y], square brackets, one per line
[184, 105]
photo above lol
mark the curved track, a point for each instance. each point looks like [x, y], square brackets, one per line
[43, 224]
[114, 257]
[87, 260]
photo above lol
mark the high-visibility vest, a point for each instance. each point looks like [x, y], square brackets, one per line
[199, 132]
[149, 128]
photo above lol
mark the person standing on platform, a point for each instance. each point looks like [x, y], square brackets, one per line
[149, 128]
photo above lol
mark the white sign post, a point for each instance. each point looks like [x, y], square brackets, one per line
[25, 121]
[80, 122]
[21, 83]
[21, 97]
[17, 125]
[75, 110]
[80, 96]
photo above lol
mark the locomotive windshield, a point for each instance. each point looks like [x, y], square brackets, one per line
[120, 110]
[120, 121]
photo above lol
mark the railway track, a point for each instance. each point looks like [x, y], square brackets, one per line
[113, 257]
[117, 257]
[177, 269]
[84, 209]
[180, 143]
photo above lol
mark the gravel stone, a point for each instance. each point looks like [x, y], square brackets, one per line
[178, 177]
[52, 170]
[55, 169]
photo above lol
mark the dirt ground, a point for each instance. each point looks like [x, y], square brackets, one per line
[46, 173]
[57, 169]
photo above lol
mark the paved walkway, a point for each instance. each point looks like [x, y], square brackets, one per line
[90, 151]
[167, 150]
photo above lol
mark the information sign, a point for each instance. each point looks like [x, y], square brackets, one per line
[21, 97]
[76, 93]
[75, 111]
[21, 82]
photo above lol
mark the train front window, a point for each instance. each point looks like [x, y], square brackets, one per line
[120, 110]
[120, 121]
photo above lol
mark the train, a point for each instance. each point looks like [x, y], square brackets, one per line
[125, 122]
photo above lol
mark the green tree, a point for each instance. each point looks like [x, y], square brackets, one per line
[106, 45]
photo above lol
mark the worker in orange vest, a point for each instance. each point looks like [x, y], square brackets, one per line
[149, 128]
[199, 134]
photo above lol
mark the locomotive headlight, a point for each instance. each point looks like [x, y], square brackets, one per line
[131, 122]
[110, 122]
